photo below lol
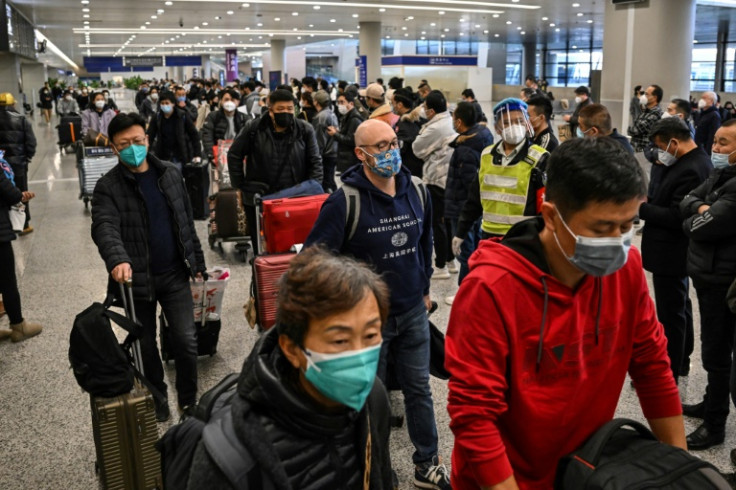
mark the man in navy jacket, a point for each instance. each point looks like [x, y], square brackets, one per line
[389, 226]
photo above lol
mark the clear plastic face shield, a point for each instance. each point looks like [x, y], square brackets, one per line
[513, 125]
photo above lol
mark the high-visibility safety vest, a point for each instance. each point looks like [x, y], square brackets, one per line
[504, 189]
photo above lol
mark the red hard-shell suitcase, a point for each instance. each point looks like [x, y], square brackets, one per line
[267, 270]
[287, 222]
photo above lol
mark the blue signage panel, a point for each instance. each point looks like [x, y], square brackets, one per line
[183, 61]
[362, 63]
[430, 60]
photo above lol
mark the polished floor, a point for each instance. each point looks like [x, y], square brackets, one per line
[45, 427]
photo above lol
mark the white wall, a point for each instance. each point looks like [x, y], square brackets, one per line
[296, 62]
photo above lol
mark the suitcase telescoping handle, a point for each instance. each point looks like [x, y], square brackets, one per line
[126, 292]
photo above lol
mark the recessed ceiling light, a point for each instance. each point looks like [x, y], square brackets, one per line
[589, 21]
[316, 7]
[580, 14]
[85, 10]
[85, 16]
[545, 18]
[522, 32]
[229, 12]
[406, 35]
[168, 4]
[154, 16]
[496, 16]
[381, 10]
[477, 26]
[485, 31]
[424, 32]
[294, 29]
[508, 22]
[557, 30]
[575, 5]
[295, 14]
[85, 2]
[422, 38]
[339, 30]
[518, 28]
[574, 47]
[441, 12]
[311, 25]
[442, 36]
[388, 37]
[403, 28]
[446, 29]
[260, 24]
[160, 11]
[432, 24]
[277, 19]
[246, 5]
[217, 17]
[205, 23]
[333, 20]
[196, 28]
[552, 24]
[298, 37]
[148, 23]
[695, 41]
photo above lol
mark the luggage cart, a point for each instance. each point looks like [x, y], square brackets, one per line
[92, 163]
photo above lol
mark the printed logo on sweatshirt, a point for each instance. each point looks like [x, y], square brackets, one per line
[399, 239]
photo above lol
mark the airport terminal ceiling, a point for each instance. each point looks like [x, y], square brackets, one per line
[182, 27]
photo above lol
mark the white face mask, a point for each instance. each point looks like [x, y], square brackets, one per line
[513, 134]
[67, 97]
[229, 106]
[701, 104]
[342, 109]
[666, 115]
[301, 104]
[665, 157]
[578, 99]
[100, 104]
[154, 97]
[643, 100]
[423, 113]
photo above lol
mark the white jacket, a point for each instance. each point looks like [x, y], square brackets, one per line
[431, 145]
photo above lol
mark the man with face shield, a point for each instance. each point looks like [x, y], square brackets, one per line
[511, 177]
[383, 216]
[281, 152]
[548, 323]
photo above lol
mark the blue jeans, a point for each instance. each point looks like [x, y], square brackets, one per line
[406, 339]
[470, 243]
[173, 293]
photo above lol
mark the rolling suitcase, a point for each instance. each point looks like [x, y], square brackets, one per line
[125, 432]
[208, 334]
[70, 130]
[197, 180]
[287, 222]
[267, 270]
[230, 214]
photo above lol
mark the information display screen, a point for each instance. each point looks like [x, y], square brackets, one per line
[20, 37]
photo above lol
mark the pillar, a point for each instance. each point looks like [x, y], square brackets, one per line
[636, 53]
[33, 76]
[369, 45]
[529, 60]
[278, 49]
[206, 66]
[10, 77]
[721, 54]
[497, 61]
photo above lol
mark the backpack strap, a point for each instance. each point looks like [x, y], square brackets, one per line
[230, 455]
[352, 198]
[593, 448]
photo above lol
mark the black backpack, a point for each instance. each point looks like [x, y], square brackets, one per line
[212, 423]
[102, 366]
[617, 458]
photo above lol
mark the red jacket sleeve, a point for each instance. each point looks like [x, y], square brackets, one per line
[476, 353]
[650, 365]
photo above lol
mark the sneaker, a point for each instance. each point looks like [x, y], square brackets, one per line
[452, 267]
[162, 410]
[449, 300]
[432, 475]
[441, 273]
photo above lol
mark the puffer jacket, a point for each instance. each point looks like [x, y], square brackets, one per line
[711, 254]
[9, 195]
[406, 131]
[346, 140]
[16, 140]
[215, 127]
[432, 146]
[91, 119]
[186, 145]
[148, 108]
[120, 224]
[464, 165]
[327, 144]
[385, 114]
[267, 151]
[294, 445]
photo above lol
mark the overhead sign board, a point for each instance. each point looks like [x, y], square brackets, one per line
[144, 61]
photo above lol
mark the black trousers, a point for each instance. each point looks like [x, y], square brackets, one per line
[329, 164]
[441, 228]
[674, 310]
[9, 283]
[717, 326]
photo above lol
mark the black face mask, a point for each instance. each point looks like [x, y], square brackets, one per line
[283, 119]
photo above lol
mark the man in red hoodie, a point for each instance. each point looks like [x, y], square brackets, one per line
[536, 372]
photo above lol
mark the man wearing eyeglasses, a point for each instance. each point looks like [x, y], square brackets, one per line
[142, 225]
[383, 216]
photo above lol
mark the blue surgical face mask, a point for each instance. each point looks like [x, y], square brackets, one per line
[720, 160]
[579, 132]
[134, 155]
[183, 98]
[599, 256]
[346, 377]
[166, 108]
[387, 164]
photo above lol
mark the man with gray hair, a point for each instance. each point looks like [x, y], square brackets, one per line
[707, 121]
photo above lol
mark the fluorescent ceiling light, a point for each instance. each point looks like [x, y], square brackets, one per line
[55, 49]
[428, 5]
[206, 32]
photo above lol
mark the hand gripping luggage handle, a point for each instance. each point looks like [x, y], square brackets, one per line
[126, 292]
[593, 448]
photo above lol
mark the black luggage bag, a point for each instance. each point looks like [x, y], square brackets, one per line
[197, 179]
[70, 129]
[208, 334]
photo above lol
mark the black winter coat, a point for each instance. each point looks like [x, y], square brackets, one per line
[215, 127]
[711, 254]
[296, 445]
[120, 224]
[16, 140]
[186, 144]
[707, 124]
[9, 195]
[346, 140]
[663, 243]
[257, 142]
[464, 165]
[407, 130]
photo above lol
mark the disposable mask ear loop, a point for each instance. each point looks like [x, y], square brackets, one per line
[310, 362]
